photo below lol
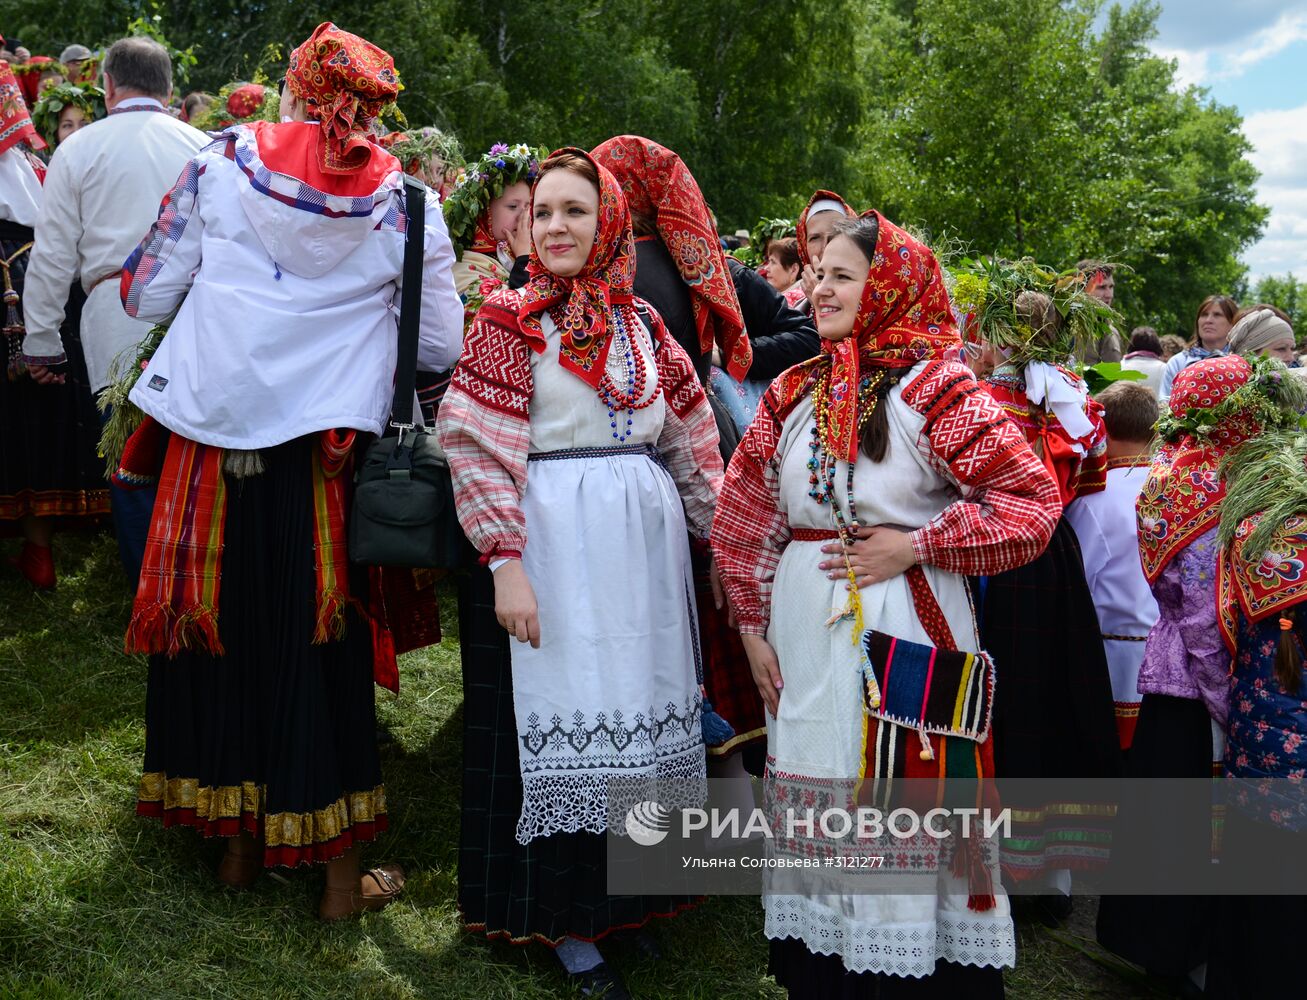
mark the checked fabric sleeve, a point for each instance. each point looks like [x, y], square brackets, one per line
[1010, 502]
[750, 531]
[484, 427]
[688, 442]
[160, 271]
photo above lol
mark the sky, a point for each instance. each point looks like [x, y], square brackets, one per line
[1253, 54]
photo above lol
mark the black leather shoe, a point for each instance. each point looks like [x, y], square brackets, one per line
[601, 981]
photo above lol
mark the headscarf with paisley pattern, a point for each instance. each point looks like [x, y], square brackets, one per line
[1182, 495]
[657, 183]
[345, 80]
[15, 122]
[904, 318]
[587, 300]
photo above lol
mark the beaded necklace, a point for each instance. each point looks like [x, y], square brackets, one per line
[822, 465]
[634, 372]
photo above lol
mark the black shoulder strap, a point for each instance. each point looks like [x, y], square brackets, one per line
[410, 302]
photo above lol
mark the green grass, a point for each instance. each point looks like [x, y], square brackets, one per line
[97, 903]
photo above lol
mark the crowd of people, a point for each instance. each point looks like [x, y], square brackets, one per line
[703, 510]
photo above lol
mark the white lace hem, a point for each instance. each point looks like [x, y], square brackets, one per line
[598, 801]
[896, 949]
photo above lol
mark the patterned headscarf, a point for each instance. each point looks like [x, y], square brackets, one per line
[801, 227]
[346, 81]
[603, 284]
[904, 317]
[658, 184]
[15, 123]
[1181, 498]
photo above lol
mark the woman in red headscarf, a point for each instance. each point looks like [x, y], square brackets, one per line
[1217, 405]
[278, 258]
[681, 262]
[812, 230]
[884, 437]
[582, 450]
[48, 433]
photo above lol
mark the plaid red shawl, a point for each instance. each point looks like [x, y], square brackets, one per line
[178, 597]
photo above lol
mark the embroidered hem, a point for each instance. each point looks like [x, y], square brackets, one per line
[598, 801]
[907, 950]
[290, 838]
[54, 503]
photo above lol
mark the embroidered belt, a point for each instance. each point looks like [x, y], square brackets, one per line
[1126, 638]
[813, 534]
[647, 450]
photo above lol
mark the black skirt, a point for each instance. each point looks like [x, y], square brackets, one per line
[1166, 935]
[278, 736]
[49, 434]
[824, 977]
[553, 887]
[1053, 711]
[1256, 939]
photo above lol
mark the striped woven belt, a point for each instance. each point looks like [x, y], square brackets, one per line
[1126, 638]
[813, 534]
[647, 450]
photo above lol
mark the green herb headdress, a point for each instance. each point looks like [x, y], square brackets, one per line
[986, 293]
[46, 111]
[481, 183]
[767, 230]
[417, 149]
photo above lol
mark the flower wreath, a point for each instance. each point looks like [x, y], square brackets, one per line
[1272, 396]
[482, 182]
[985, 293]
[53, 100]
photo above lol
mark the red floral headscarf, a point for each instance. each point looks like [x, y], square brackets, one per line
[15, 123]
[1181, 498]
[801, 227]
[603, 284]
[658, 184]
[346, 81]
[904, 317]
[483, 239]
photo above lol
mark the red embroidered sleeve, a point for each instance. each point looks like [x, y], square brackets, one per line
[1009, 504]
[688, 443]
[1091, 475]
[750, 531]
[484, 429]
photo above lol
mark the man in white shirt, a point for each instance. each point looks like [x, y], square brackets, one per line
[1108, 532]
[102, 194]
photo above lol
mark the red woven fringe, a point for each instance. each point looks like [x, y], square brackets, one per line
[969, 863]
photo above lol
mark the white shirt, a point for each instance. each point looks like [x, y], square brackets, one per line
[102, 194]
[1151, 368]
[288, 302]
[20, 190]
[1108, 533]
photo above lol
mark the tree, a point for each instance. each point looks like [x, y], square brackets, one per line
[1286, 292]
[1012, 126]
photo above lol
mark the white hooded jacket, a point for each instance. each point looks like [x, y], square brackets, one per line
[286, 300]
